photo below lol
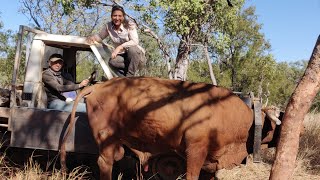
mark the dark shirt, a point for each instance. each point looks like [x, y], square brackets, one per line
[55, 83]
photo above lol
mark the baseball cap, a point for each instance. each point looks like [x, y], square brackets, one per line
[55, 57]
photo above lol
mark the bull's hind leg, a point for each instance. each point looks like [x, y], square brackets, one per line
[196, 153]
[108, 154]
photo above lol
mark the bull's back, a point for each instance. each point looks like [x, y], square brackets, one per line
[156, 109]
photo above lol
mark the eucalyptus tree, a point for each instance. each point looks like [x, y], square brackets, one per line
[190, 22]
[185, 21]
[243, 53]
[50, 16]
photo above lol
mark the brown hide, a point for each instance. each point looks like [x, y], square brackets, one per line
[206, 124]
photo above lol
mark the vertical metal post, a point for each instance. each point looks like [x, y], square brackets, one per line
[13, 92]
[257, 131]
[16, 68]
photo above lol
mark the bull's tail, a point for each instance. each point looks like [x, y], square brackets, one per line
[84, 92]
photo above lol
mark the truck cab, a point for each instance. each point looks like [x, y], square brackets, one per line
[28, 123]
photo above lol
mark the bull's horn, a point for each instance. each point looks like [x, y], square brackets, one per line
[273, 118]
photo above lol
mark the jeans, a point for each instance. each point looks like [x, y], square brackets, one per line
[129, 63]
[63, 106]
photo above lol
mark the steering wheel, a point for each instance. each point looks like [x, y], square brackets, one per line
[92, 77]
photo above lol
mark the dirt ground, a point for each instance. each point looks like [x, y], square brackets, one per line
[261, 171]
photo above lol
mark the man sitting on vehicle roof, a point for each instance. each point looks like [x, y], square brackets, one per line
[58, 86]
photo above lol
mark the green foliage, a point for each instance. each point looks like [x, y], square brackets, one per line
[83, 69]
[6, 67]
[7, 54]
[241, 52]
[181, 16]
[50, 16]
[68, 5]
[156, 65]
[279, 79]
[198, 72]
[284, 82]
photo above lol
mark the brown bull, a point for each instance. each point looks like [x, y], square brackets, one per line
[206, 124]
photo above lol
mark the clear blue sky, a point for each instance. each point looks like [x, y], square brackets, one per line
[291, 26]
[10, 16]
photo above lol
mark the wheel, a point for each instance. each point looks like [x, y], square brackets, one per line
[168, 166]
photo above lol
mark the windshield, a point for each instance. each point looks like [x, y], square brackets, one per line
[103, 54]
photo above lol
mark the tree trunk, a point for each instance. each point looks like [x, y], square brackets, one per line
[182, 60]
[213, 78]
[296, 110]
[233, 78]
[260, 88]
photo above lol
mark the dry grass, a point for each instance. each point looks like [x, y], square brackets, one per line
[261, 171]
[32, 171]
[309, 151]
[307, 165]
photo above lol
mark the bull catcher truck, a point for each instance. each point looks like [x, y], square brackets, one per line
[25, 121]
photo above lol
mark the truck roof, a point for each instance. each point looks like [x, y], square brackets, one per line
[63, 40]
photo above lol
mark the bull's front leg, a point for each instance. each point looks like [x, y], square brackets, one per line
[196, 153]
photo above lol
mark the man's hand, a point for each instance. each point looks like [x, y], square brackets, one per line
[84, 83]
[116, 51]
[69, 100]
